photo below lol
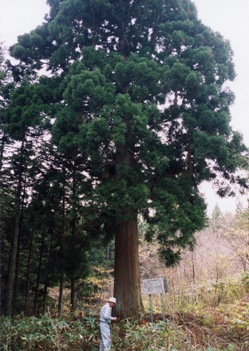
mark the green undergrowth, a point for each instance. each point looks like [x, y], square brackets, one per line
[199, 321]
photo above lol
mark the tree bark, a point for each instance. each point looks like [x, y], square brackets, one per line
[127, 287]
[38, 276]
[62, 253]
[60, 301]
[15, 238]
[47, 273]
[28, 269]
[12, 263]
[73, 296]
[73, 232]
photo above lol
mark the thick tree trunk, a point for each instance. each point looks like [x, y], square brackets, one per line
[127, 276]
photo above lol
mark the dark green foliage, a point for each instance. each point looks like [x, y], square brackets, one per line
[134, 97]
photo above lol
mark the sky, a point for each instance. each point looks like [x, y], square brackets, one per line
[228, 17]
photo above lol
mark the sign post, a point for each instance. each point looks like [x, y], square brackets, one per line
[151, 309]
[162, 305]
[155, 286]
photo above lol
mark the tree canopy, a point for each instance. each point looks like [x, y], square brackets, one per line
[134, 95]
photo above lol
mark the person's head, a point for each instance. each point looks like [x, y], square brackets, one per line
[112, 301]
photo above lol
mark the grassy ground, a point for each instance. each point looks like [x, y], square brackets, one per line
[214, 319]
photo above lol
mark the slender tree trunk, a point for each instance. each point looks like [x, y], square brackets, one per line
[15, 238]
[3, 141]
[18, 263]
[73, 279]
[193, 266]
[16, 287]
[38, 277]
[27, 287]
[127, 276]
[12, 263]
[73, 296]
[107, 253]
[62, 242]
[1, 268]
[47, 274]
[73, 231]
[60, 301]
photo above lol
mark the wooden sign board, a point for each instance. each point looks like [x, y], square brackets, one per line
[154, 286]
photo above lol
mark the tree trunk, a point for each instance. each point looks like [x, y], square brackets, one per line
[1, 266]
[127, 288]
[38, 276]
[3, 141]
[12, 263]
[60, 301]
[62, 253]
[17, 278]
[47, 274]
[28, 271]
[73, 296]
[73, 232]
[14, 245]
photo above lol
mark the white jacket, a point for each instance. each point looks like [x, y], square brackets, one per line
[105, 314]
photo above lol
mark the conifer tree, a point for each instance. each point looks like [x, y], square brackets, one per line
[140, 93]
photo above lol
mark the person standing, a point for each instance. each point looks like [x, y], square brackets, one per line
[104, 324]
